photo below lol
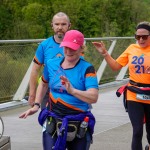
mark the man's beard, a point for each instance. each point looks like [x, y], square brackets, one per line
[60, 36]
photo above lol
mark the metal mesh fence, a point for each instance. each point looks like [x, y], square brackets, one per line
[15, 59]
[14, 62]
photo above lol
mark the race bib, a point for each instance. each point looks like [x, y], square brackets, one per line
[143, 97]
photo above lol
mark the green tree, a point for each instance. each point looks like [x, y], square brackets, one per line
[22, 19]
[5, 22]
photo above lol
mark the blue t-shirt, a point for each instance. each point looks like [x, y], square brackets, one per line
[48, 49]
[82, 76]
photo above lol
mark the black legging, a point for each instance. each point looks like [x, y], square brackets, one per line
[136, 113]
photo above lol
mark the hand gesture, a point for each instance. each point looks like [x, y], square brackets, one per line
[147, 70]
[67, 84]
[100, 46]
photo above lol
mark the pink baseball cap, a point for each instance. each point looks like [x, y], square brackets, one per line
[73, 39]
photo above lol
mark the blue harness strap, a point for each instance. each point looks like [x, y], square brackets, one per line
[61, 140]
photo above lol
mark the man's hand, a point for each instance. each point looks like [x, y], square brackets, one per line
[29, 112]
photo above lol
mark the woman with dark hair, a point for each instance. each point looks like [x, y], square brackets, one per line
[137, 57]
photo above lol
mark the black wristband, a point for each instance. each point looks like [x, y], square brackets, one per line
[37, 104]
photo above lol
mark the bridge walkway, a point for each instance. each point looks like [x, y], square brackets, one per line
[112, 131]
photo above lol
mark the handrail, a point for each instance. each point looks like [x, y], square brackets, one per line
[40, 40]
[20, 93]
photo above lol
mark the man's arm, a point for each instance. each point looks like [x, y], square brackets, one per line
[41, 91]
[33, 83]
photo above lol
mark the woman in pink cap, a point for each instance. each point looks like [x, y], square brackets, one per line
[73, 86]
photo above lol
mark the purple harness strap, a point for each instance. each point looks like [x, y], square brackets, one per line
[61, 140]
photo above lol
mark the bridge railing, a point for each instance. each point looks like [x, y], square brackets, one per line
[16, 62]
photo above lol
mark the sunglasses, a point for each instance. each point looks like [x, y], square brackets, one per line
[144, 37]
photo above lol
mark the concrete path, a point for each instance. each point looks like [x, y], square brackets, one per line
[112, 131]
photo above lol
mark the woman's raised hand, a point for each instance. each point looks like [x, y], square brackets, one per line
[100, 46]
